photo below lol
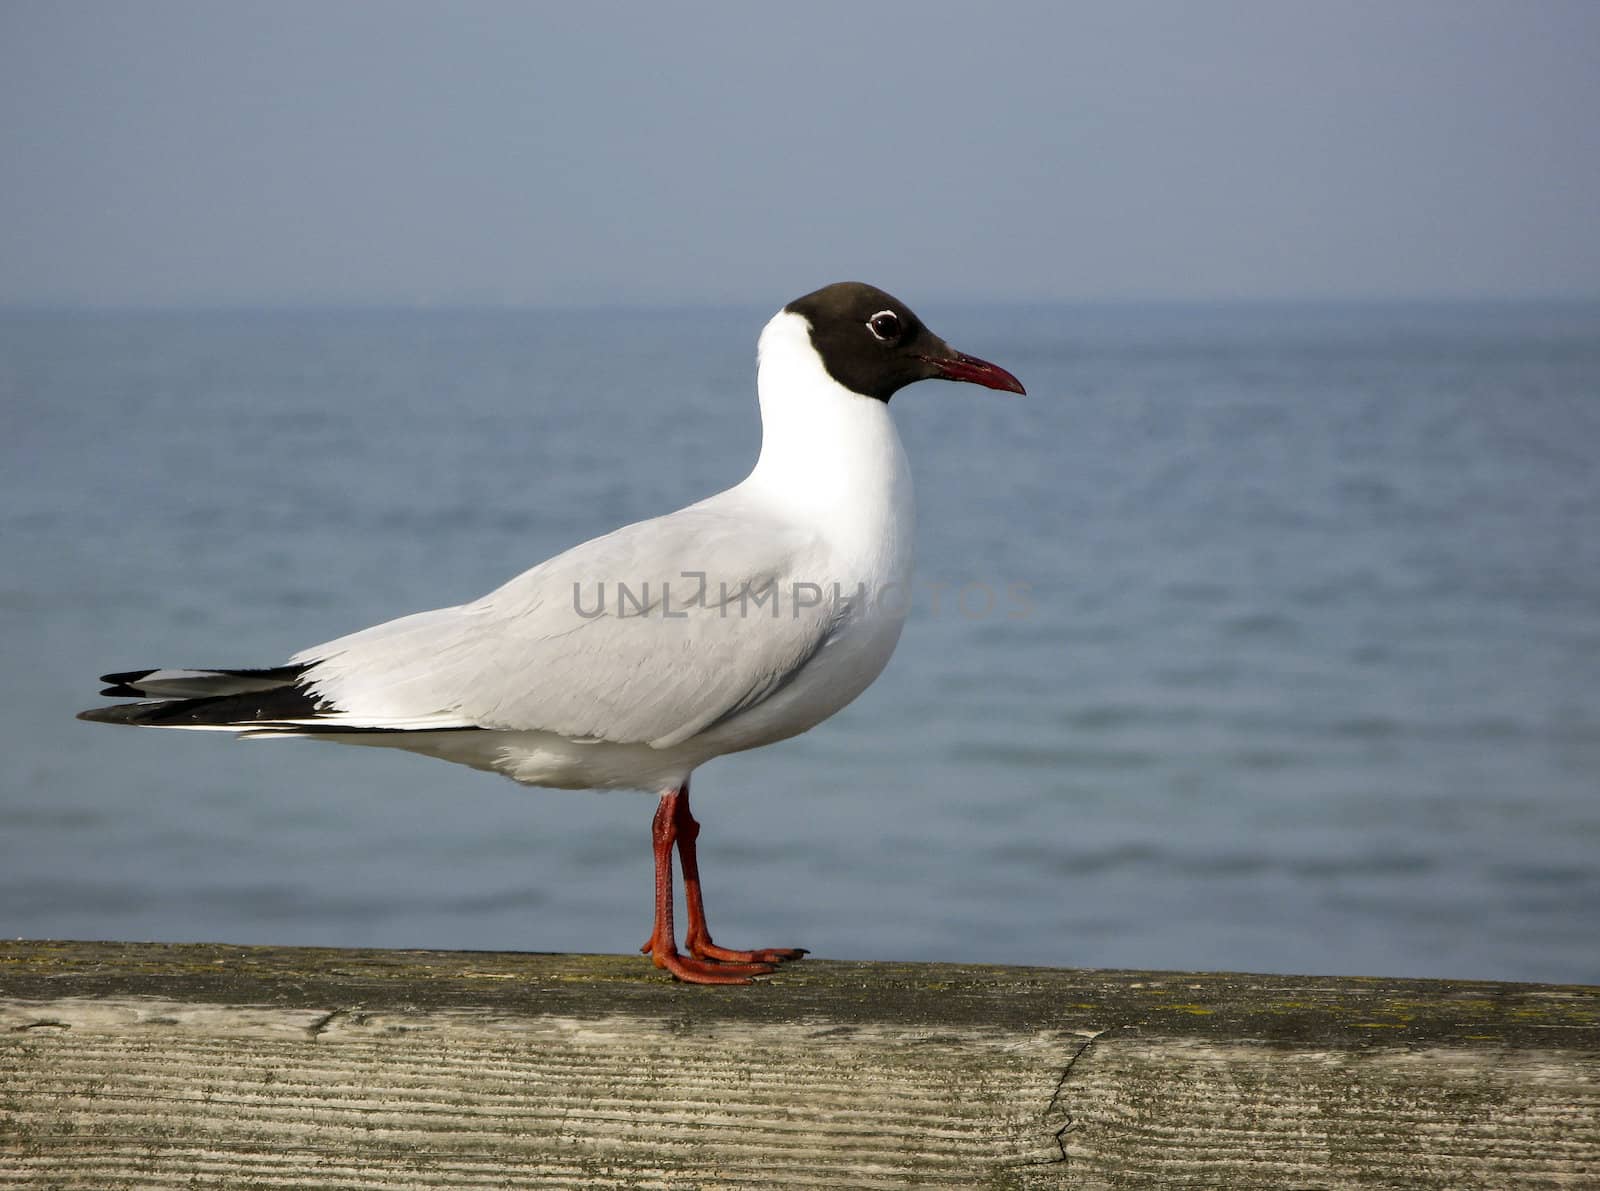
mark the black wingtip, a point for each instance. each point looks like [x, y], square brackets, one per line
[197, 682]
[122, 685]
[125, 677]
[122, 713]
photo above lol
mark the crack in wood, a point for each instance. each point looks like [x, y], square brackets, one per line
[1059, 1135]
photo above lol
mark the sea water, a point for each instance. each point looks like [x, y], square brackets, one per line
[1254, 637]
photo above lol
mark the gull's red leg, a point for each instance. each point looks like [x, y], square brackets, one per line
[697, 941]
[661, 945]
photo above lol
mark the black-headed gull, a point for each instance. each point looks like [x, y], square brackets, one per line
[632, 659]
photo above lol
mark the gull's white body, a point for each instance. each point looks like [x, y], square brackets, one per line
[578, 700]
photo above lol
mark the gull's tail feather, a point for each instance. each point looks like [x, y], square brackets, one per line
[254, 703]
[219, 699]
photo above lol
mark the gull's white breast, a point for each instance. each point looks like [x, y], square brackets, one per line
[831, 461]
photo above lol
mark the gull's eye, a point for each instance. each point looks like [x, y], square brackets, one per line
[885, 325]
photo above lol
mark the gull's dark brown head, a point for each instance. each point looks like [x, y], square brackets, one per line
[872, 344]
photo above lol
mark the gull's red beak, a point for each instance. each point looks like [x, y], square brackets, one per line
[959, 366]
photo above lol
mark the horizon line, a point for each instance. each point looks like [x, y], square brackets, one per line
[467, 305]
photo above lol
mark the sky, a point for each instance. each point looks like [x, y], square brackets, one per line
[528, 154]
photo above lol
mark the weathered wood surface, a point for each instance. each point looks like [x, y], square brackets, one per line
[147, 1065]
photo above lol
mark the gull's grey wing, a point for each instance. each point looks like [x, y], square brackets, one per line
[650, 634]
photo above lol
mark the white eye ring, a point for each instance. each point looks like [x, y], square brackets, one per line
[893, 320]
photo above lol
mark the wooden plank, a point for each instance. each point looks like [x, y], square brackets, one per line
[149, 1065]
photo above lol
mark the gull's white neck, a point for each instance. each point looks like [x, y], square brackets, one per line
[829, 457]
